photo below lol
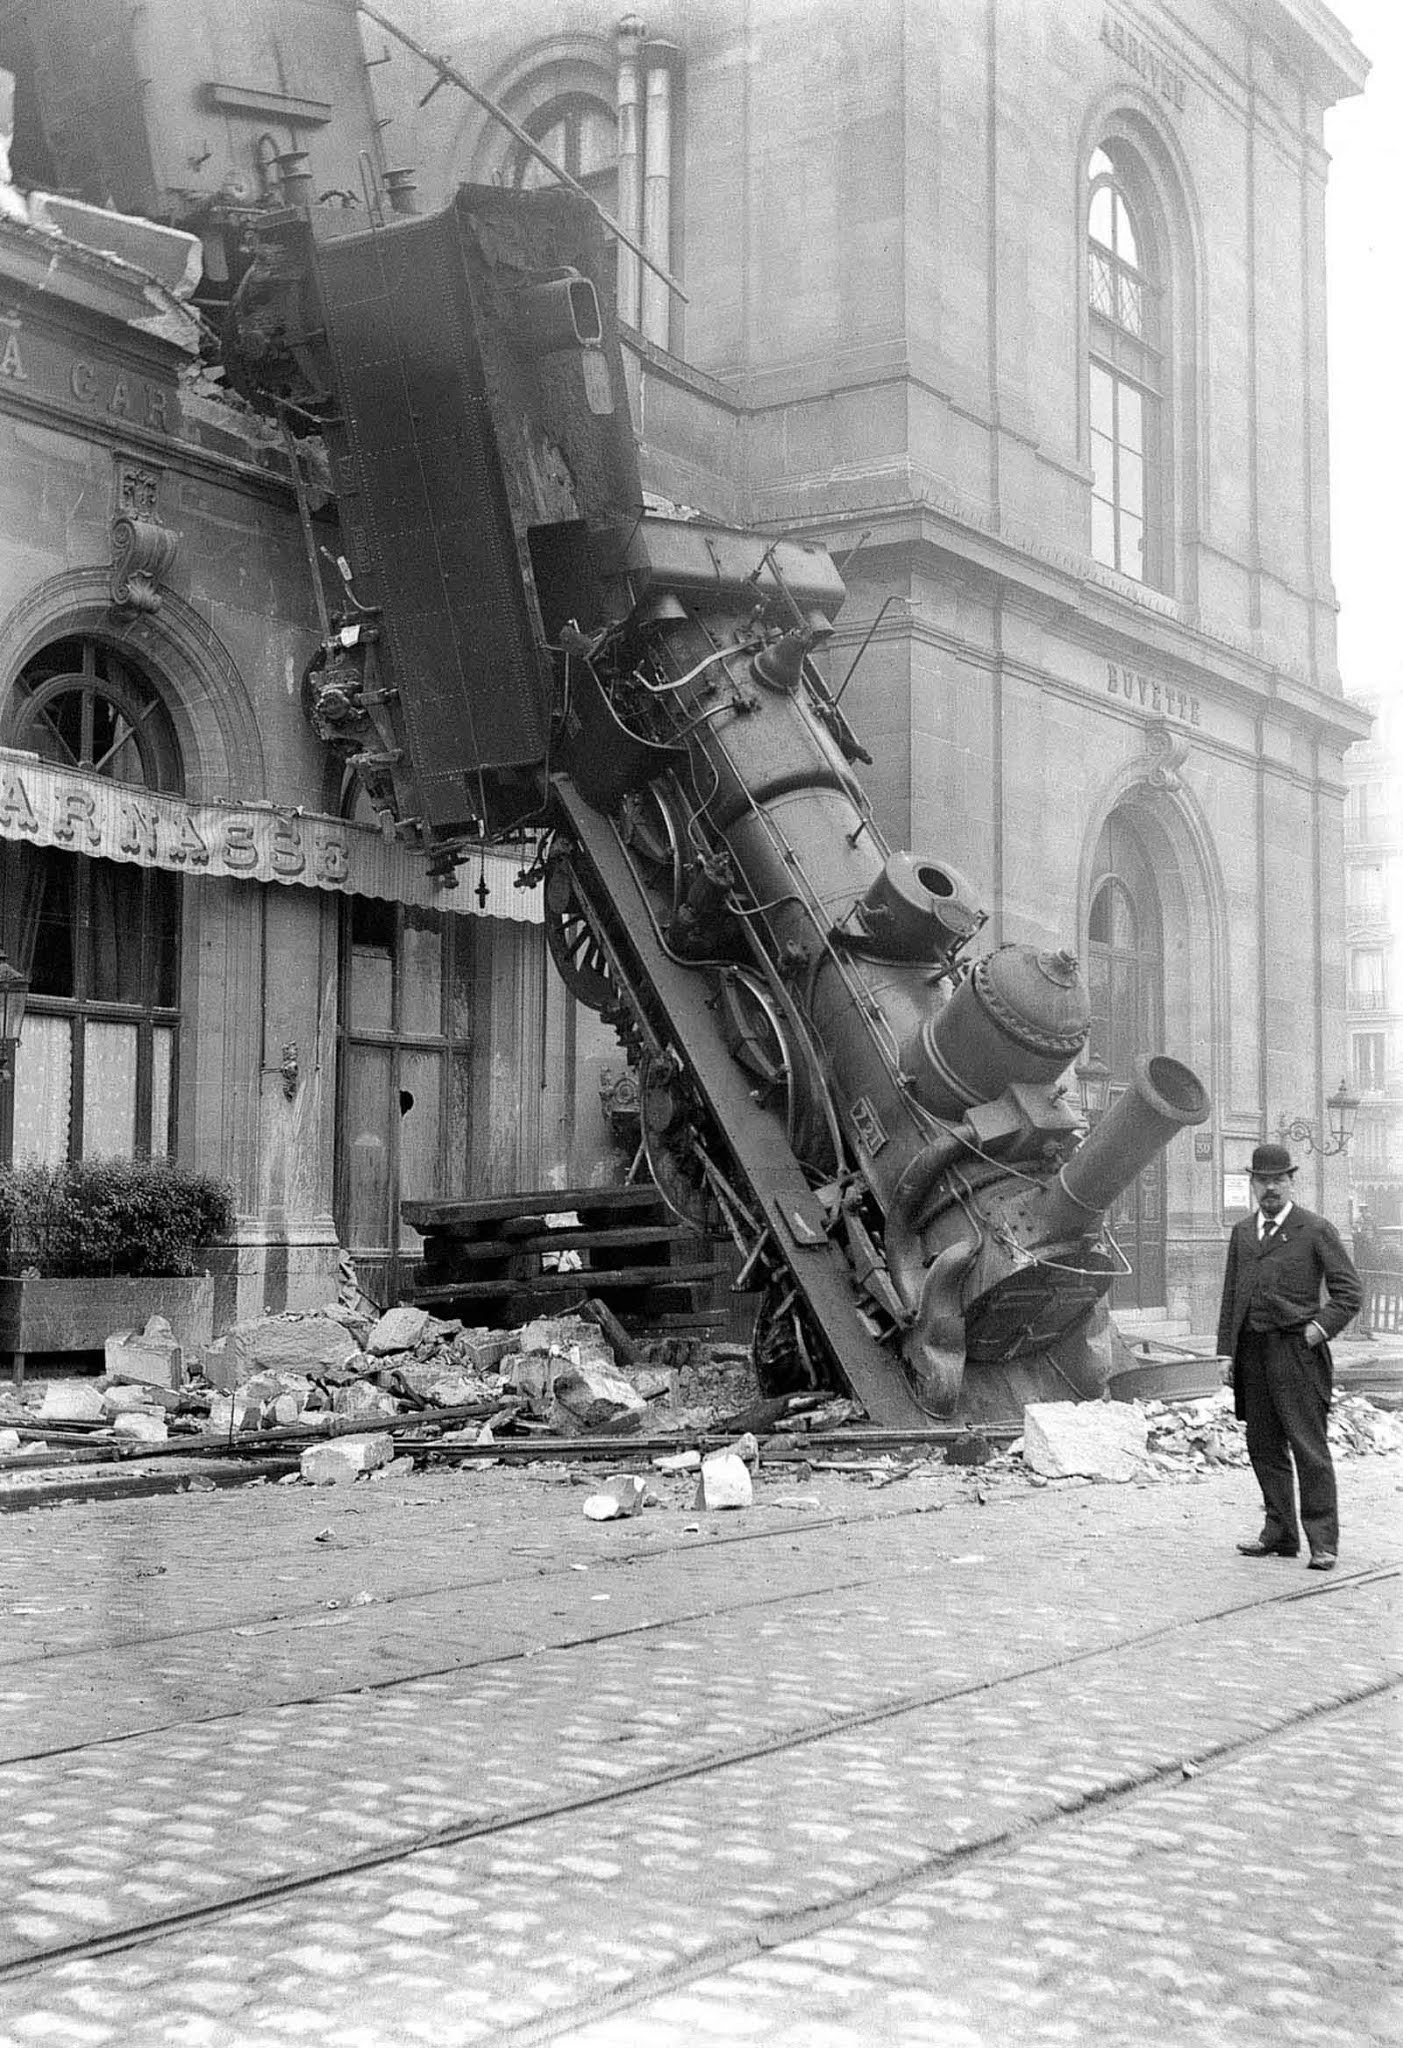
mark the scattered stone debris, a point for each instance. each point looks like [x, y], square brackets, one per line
[1179, 1439]
[347, 1392]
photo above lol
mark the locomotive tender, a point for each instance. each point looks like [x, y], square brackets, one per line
[828, 1070]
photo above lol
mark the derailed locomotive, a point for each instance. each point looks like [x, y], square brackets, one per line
[828, 1071]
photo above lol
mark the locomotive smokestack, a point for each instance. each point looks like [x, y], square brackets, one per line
[1164, 1097]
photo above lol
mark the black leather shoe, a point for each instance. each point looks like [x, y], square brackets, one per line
[1260, 1549]
[1322, 1561]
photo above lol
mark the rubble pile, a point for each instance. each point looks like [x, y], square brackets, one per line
[346, 1392]
[1173, 1440]
[340, 1369]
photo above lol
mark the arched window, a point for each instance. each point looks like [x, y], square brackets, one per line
[1130, 516]
[100, 940]
[610, 112]
[578, 132]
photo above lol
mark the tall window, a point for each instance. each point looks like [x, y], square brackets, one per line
[100, 940]
[1364, 886]
[1367, 978]
[580, 133]
[1128, 522]
[1367, 814]
[1369, 1059]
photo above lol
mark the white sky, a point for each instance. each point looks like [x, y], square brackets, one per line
[1364, 136]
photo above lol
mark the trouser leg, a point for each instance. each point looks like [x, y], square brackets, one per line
[1295, 1382]
[1267, 1445]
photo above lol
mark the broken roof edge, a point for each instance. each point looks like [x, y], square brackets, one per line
[118, 265]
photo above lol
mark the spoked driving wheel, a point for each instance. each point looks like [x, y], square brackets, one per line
[574, 946]
[668, 1125]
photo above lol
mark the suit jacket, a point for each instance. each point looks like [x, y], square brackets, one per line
[1301, 1275]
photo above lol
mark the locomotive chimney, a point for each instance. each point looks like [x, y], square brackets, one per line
[402, 190]
[295, 172]
[1164, 1097]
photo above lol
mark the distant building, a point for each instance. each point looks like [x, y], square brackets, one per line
[1374, 951]
[1019, 309]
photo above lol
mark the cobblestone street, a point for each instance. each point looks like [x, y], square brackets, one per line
[956, 1761]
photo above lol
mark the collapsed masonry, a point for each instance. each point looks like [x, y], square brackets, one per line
[342, 1394]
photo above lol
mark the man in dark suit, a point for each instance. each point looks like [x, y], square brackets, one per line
[1290, 1287]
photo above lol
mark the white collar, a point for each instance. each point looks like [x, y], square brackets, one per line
[1276, 1221]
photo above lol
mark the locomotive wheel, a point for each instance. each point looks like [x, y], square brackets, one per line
[579, 958]
[783, 1348]
[649, 827]
[786, 1076]
[666, 1119]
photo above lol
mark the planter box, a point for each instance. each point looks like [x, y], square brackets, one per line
[38, 1316]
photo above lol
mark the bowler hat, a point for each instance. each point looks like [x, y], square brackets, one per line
[1271, 1159]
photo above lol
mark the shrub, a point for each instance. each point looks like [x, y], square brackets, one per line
[98, 1217]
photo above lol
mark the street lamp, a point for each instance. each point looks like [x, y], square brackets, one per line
[14, 993]
[1341, 1108]
[1094, 1080]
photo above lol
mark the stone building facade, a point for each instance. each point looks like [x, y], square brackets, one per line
[1019, 308]
[1016, 305]
[1374, 978]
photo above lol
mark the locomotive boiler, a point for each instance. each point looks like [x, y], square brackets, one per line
[830, 1070]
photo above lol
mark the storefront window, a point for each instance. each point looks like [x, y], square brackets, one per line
[100, 940]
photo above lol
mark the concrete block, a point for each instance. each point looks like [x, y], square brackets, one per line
[725, 1482]
[1085, 1439]
[397, 1469]
[71, 1401]
[587, 1394]
[483, 1350]
[399, 1329]
[126, 1400]
[363, 1399]
[141, 1424]
[530, 1373]
[230, 1413]
[559, 1333]
[153, 1357]
[678, 1461]
[9, 1442]
[459, 1390]
[621, 1495]
[274, 1386]
[311, 1345]
[335, 1463]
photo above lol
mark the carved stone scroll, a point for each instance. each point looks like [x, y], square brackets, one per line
[142, 548]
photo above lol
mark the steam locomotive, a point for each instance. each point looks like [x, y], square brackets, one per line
[829, 1071]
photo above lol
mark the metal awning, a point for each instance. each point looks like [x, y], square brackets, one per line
[78, 812]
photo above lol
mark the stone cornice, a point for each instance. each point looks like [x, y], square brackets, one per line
[1105, 612]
